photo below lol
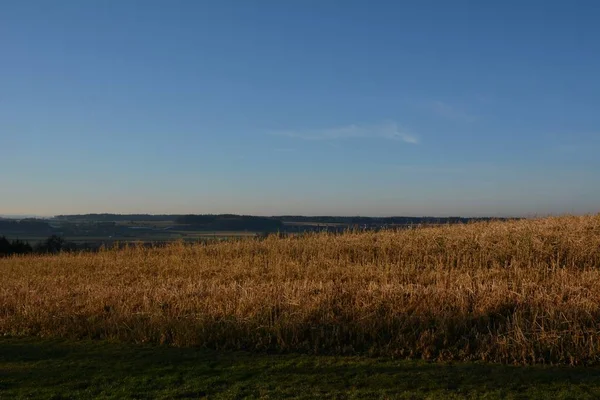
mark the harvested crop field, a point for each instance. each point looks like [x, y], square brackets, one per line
[525, 291]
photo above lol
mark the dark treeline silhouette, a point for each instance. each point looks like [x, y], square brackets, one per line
[53, 244]
[8, 248]
[57, 244]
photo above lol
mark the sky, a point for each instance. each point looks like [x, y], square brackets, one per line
[375, 108]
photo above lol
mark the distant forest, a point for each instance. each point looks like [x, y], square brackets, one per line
[53, 244]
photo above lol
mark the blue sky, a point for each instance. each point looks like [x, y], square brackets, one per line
[300, 107]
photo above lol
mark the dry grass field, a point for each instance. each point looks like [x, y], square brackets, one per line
[525, 291]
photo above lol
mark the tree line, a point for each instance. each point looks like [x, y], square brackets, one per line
[53, 244]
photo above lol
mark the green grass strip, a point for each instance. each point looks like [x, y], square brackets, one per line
[59, 369]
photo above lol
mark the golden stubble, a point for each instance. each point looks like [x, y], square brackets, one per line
[524, 291]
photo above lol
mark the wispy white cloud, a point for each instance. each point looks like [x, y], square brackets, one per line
[452, 112]
[387, 130]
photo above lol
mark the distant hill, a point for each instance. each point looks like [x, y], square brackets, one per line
[29, 225]
[205, 222]
[106, 217]
[321, 218]
[231, 222]
[234, 222]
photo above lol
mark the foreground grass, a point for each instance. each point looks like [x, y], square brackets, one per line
[38, 368]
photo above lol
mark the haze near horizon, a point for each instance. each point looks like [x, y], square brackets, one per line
[300, 108]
